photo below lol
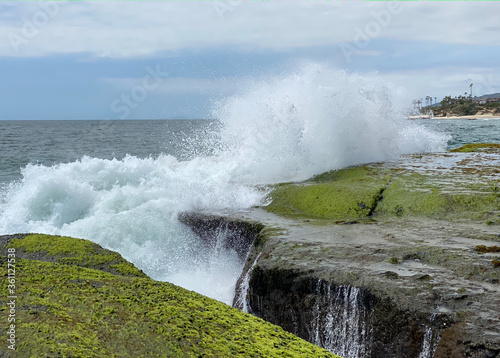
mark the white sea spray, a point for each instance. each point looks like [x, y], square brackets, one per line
[279, 129]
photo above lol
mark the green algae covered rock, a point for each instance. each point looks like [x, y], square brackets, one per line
[478, 147]
[76, 299]
[71, 251]
[346, 194]
[463, 185]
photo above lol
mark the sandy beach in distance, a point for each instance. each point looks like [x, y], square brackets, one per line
[471, 117]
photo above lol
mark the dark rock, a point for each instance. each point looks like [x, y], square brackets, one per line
[237, 234]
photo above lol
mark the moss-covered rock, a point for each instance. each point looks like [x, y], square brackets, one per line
[66, 250]
[346, 194]
[420, 195]
[425, 252]
[76, 299]
[458, 186]
[478, 147]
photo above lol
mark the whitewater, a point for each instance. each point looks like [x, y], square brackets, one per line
[283, 128]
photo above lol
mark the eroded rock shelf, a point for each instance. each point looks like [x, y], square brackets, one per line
[382, 260]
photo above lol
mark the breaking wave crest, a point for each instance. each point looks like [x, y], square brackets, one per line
[281, 129]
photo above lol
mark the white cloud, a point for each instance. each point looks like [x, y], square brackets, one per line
[443, 81]
[142, 29]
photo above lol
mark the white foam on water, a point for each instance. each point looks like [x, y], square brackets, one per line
[131, 206]
[280, 129]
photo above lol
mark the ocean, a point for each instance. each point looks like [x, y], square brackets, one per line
[122, 184]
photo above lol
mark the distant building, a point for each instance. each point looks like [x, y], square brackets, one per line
[485, 100]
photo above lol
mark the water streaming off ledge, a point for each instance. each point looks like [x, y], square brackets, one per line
[342, 323]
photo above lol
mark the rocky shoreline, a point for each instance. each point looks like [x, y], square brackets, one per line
[409, 293]
[397, 259]
[385, 260]
[468, 117]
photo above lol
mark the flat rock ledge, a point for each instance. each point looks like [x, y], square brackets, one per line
[412, 288]
[398, 259]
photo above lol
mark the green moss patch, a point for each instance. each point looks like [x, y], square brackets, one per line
[67, 310]
[419, 195]
[407, 196]
[482, 249]
[478, 147]
[394, 260]
[72, 251]
[346, 194]
[456, 192]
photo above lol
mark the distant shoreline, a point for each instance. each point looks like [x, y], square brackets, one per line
[471, 117]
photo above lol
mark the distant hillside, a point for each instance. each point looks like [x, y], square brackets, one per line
[465, 106]
[488, 104]
[486, 96]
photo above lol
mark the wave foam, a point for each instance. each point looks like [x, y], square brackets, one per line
[318, 119]
[282, 129]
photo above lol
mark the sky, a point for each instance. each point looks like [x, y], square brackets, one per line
[175, 59]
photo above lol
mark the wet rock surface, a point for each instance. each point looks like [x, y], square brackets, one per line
[406, 304]
[404, 279]
[236, 234]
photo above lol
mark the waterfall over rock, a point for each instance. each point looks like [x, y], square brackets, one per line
[342, 323]
[241, 295]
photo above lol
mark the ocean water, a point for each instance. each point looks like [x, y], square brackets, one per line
[122, 184]
[464, 131]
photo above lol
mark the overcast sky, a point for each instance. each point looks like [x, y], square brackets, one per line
[171, 59]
